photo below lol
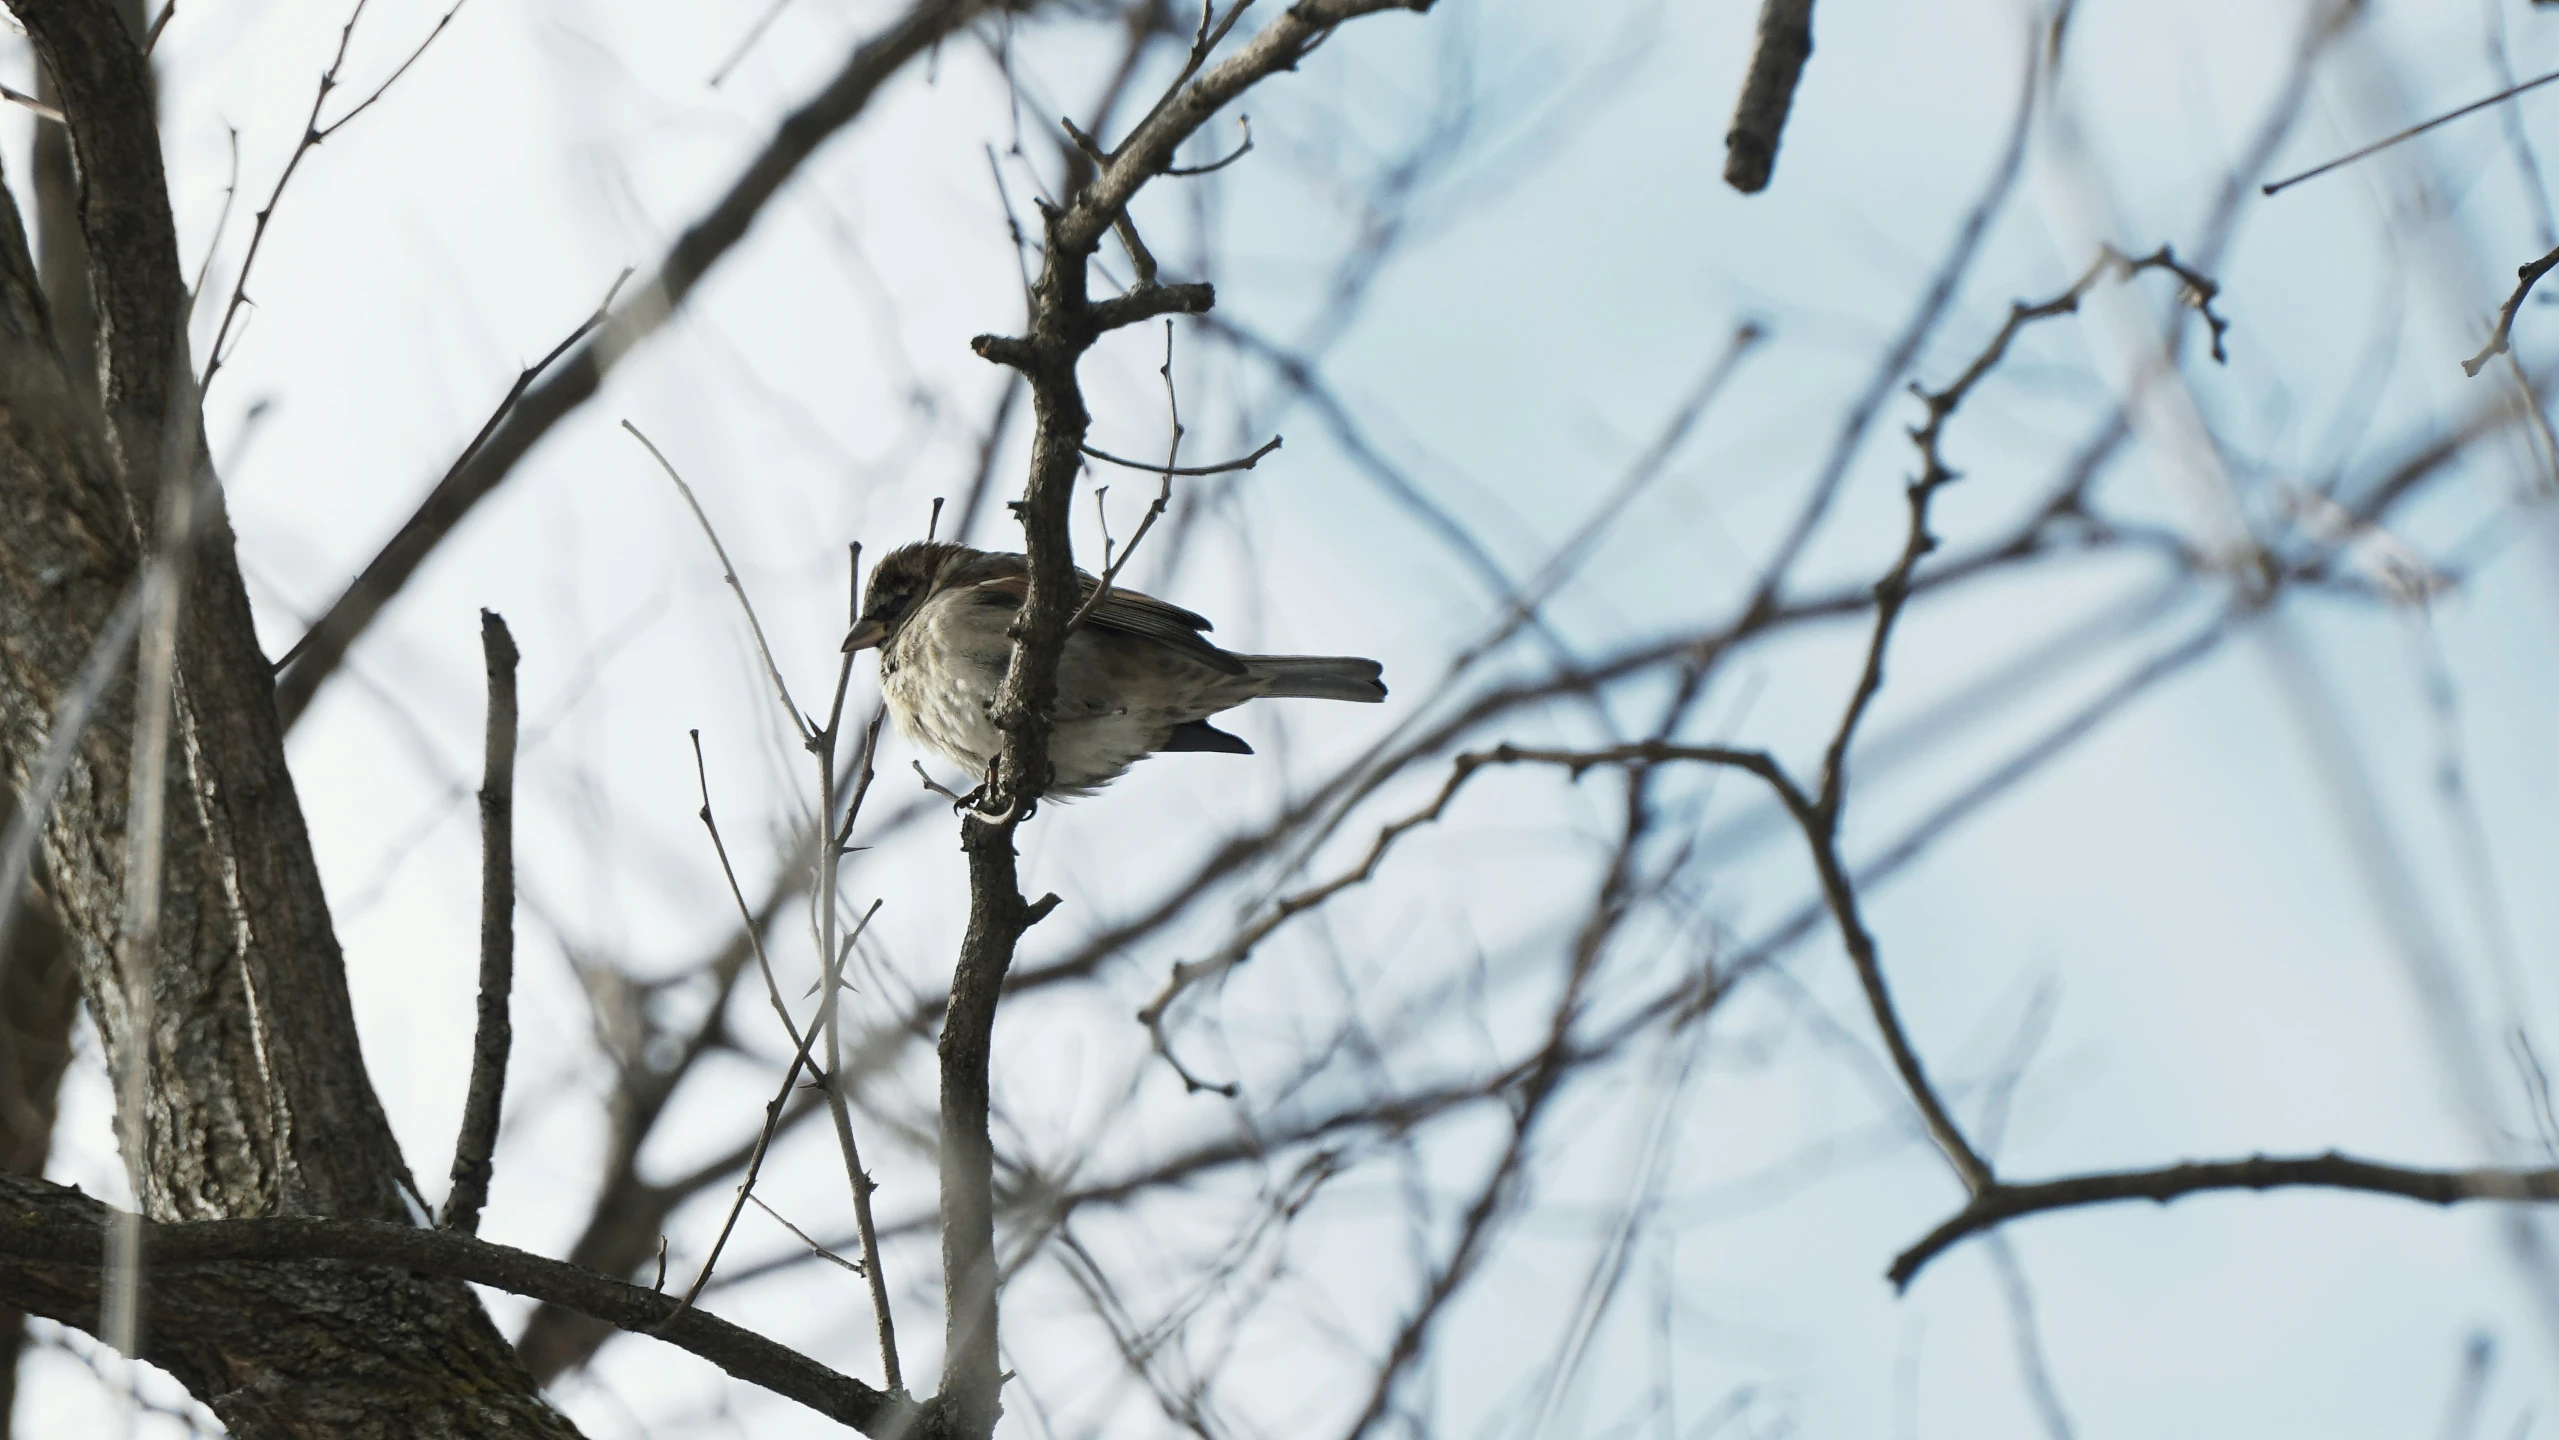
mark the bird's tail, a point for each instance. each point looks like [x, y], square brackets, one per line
[1319, 677]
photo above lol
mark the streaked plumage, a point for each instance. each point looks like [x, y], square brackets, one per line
[1138, 677]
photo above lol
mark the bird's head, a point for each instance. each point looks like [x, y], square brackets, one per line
[900, 582]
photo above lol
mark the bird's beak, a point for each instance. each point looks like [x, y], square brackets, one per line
[867, 633]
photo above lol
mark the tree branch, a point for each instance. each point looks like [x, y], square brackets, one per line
[576, 381]
[2526, 276]
[51, 1257]
[1062, 327]
[1785, 42]
[482, 1103]
[2004, 1202]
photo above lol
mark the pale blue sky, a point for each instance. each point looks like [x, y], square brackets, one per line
[2222, 982]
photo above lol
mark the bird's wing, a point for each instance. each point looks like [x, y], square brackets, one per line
[1127, 612]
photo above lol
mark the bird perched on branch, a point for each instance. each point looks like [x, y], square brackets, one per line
[1136, 678]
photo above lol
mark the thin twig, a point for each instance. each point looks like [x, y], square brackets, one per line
[41, 109]
[1236, 951]
[1819, 815]
[294, 691]
[754, 933]
[1243, 122]
[313, 133]
[800, 1060]
[2413, 131]
[1543, 1082]
[484, 1101]
[221, 218]
[1021, 243]
[1164, 493]
[1648, 467]
[2006, 1201]
[820, 1251]
[728, 572]
[580, 376]
[1244, 463]
[746, 42]
[2526, 276]
[833, 844]
[937, 787]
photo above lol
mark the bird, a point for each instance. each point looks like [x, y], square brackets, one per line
[1137, 678]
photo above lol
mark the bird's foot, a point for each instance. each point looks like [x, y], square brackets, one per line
[981, 801]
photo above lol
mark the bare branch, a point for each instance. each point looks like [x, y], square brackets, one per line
[800, 1060]
[1149, 302]
[1259, 454]
[1065, 324]
[2411, 133]
[728, 572]
[38, 108]
[294, 692]
[1784, 43]
[493, 1036]
[2004, 1201]
[815, 1249]
[2526, 276]
[746, 42]
[1236, 951]
[694, 253]
[53, 1249]
[1243, 123]
[754, 932]
[313, 132]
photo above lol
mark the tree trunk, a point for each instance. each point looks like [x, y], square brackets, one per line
[255, 1099]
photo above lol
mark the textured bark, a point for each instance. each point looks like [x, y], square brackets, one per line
[255, 1095]
[220, 1279]
[1065, 322]
[39, 991]
[1777, 59]
[39, 1001]
[268, 1343]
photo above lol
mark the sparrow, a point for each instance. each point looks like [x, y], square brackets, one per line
[1135, 679]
